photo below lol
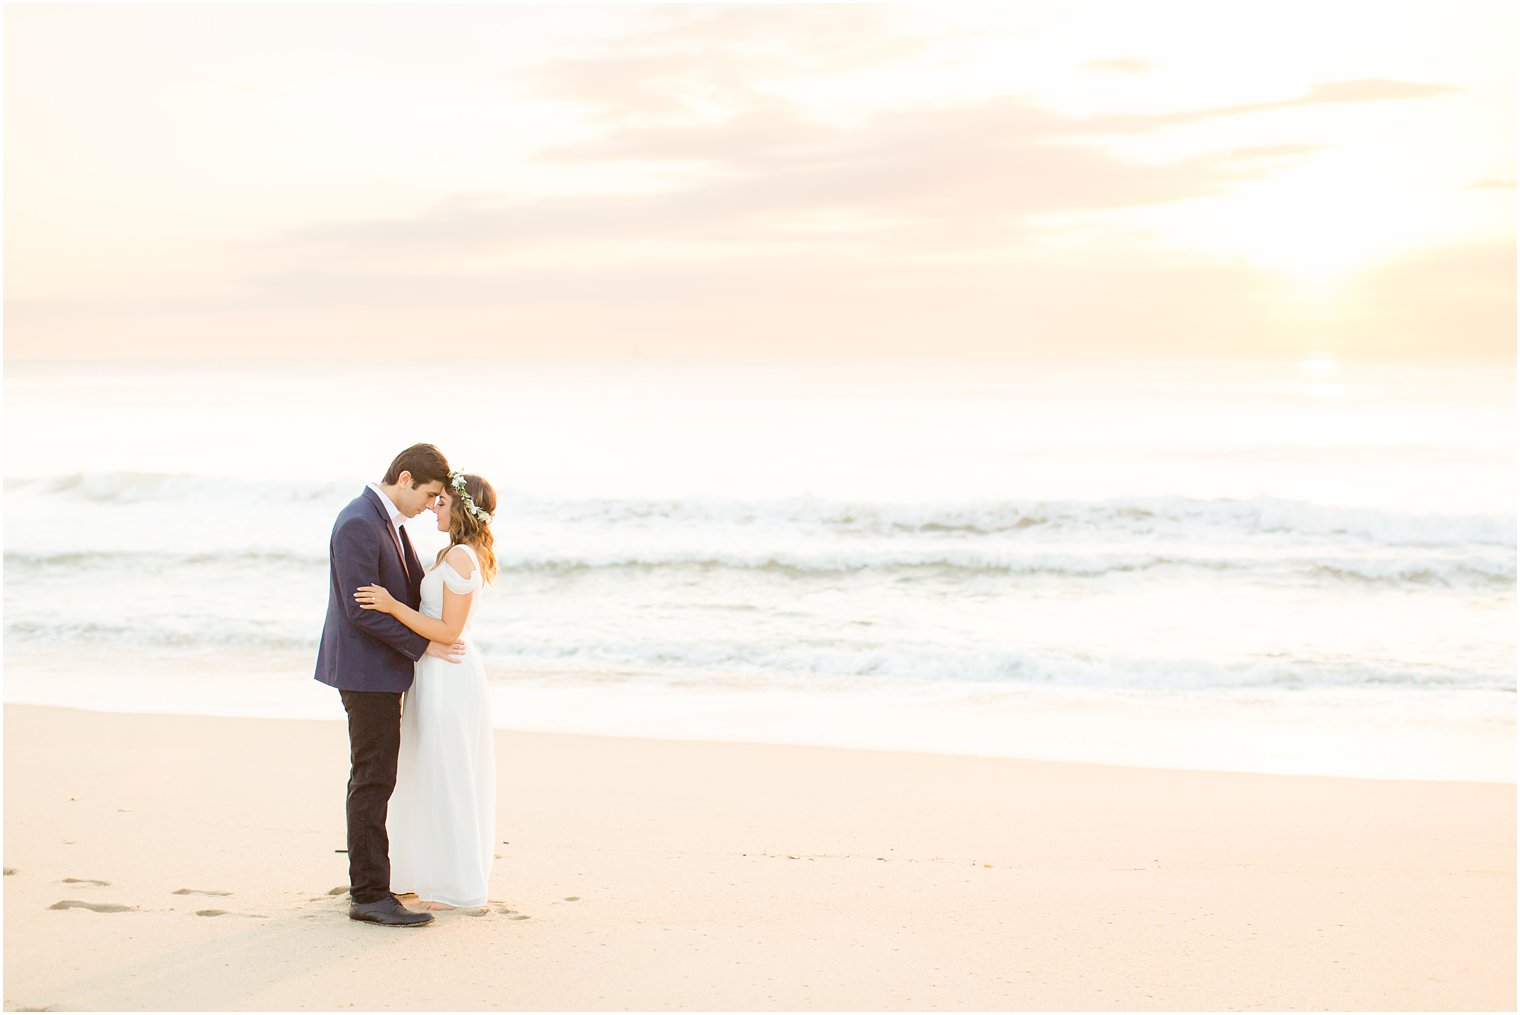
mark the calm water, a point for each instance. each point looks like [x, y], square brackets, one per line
[1264, 566]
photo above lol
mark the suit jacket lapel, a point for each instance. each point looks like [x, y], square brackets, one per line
[385, 517]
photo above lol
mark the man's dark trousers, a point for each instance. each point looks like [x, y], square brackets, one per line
[374, 737]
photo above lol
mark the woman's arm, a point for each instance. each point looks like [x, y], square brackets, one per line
[456, 606]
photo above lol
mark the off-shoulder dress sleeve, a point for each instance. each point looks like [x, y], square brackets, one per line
[456, 582]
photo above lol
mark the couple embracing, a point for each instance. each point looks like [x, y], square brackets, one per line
[422, 779]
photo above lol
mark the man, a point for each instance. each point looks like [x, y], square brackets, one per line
[368, 656]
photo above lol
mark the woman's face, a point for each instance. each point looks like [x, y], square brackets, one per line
[441, 508]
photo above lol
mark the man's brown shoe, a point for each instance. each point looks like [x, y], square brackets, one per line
[388, 912]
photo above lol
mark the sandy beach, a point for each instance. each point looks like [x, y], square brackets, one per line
[162, 862]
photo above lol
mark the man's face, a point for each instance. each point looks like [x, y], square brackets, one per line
[411, 501]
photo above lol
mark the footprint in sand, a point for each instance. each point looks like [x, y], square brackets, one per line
[95, 907]
[86, 881]
[11, 870]
[340, 890]
[198, 891]
[223, 912]
[572, 898]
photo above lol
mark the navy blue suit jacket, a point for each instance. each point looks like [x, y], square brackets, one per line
[365, 650]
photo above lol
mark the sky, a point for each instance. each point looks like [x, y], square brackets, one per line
[1065, 179]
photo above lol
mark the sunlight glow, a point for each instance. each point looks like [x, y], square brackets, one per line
[751, 178]
[1318, 224]
[1321, 375]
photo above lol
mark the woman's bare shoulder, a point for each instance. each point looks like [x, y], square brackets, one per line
[460, 560]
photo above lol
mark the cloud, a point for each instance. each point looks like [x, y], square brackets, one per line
[1373, 90]
[688, 61]
[970, 175]
[692, 94]
[1454, 300]
[763, 196]
[1332, 93]
[691, 65]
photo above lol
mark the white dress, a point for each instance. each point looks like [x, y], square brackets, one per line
[442, 816]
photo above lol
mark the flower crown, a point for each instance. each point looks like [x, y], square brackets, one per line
[456, 482]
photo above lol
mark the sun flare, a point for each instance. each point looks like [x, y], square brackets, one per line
[1317, 225]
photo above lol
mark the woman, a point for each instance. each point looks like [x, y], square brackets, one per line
[442, 819]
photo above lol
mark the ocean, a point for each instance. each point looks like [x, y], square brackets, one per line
[1275, 566]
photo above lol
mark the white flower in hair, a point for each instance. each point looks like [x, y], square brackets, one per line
[456, 482]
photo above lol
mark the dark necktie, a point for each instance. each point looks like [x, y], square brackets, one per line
[407, 553]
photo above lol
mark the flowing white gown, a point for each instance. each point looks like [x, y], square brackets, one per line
[442, 817]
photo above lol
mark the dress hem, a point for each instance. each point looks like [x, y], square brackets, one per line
[447, 902]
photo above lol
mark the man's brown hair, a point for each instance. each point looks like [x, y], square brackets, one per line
[425, 462]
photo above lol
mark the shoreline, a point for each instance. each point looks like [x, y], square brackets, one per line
[1337, 734]
[704, 742]
[682, 874]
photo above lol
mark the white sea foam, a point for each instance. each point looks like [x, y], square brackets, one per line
[1161, 517]
[1203, 533]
